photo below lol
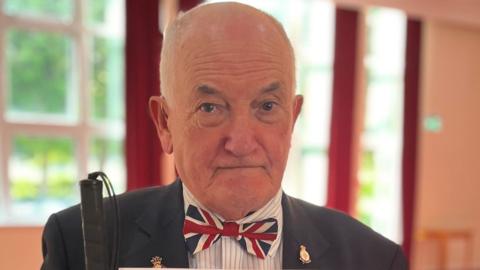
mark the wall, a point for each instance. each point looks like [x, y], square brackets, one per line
[20, 248]
[460, 11]
[449, 163]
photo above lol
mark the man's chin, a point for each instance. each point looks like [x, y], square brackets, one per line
[235, 206]
[244, 183]
[252, 193]
[240, 175]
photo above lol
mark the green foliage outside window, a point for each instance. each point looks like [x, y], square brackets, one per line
[50, 157]
[99, 87]
[59, 9]
[107, 84]
[97, 11]
[38, 68]
[366, 187]
[101, 149]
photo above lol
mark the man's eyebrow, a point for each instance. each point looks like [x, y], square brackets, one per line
[207, 90]
[271, 87]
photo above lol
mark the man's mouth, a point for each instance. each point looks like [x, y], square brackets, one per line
[239, 167]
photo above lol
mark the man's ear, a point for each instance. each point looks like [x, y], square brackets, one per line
[159, 115]
[297, 108]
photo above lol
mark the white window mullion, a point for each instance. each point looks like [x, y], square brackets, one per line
[43, 129]
[83, 89]
[4, 138]
[5, 201]
[36, 24]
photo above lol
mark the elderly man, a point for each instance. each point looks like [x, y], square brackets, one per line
[227, 113]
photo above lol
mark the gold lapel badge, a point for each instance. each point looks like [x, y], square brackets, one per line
[304, 255]
[157, 262]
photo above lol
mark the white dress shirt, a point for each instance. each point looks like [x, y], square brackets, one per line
[227, 253]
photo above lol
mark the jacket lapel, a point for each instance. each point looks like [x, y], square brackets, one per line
[298, 229]
[160, 233]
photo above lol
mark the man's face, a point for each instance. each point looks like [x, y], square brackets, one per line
[231, 117]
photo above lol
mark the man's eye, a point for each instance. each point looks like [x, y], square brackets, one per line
[268, 106]
[208, 107]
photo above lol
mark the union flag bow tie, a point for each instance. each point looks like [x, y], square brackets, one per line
[202, 229]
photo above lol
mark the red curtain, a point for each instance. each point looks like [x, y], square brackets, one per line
[144, 157]
[340, 168]
[185, 5]
[410, 128]
[142, 48]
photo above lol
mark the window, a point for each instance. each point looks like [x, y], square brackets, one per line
[379, 202]
[61, 102]
[310, 27]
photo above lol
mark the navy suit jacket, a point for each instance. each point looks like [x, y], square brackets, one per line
[152, 221]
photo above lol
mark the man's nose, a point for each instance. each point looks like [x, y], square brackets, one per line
[241, 139]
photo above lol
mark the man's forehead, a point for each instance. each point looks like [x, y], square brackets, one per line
[223, 38]
[227, 21]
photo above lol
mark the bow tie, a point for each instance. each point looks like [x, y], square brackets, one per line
[202, 229]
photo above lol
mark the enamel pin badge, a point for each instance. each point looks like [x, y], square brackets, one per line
[304, 255]
[156, 262]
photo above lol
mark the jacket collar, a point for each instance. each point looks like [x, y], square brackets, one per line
[300, 230]
[159, 232]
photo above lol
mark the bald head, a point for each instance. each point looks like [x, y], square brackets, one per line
[221, 24]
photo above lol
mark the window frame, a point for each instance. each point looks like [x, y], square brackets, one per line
[83, 129]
